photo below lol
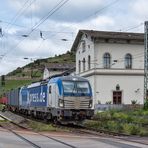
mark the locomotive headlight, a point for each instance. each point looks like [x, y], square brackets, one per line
[90, 103]
[61, 103]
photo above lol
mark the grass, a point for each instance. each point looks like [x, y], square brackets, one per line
[11, 84]
[40, 127]
[129, 122]
[1, 106]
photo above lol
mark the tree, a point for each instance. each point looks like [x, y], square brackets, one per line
[3, 80]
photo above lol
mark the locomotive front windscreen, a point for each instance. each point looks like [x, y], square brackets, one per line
[76, 87]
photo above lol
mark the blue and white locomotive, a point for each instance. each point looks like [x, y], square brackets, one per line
[64, 98]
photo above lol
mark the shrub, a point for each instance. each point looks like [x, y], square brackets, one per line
[146, 104]
[131, 129]
[145, 112]
[99, 102]
[108, 102]
[143, 132]
[112, 125]
[123, 117]
[134, 102]
[92, 124]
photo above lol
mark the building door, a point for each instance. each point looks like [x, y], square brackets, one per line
[117, 97]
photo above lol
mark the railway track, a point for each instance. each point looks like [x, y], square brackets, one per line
[79, 129]
[12, 127]
[83, 130]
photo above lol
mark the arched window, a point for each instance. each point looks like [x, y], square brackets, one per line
[83, 64]
[128, 61]
[83, 46]
[79, 66]
[89, 64]
[106, 60]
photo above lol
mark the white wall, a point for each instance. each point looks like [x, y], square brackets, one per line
[118, 52]
[104, 81]
[106, 84]
[88, 51]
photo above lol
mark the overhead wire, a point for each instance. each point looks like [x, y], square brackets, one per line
[130, 27]
[43, 19]
[50, 13]
[13, 20]
[100, 10]
[16, 15]
[62, 2]
[19, 13]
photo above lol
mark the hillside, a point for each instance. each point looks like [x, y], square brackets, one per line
[34, 71]
[37, 66]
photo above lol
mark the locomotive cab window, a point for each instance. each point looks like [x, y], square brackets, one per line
[69, 86]
[82, 87]
[76, 87]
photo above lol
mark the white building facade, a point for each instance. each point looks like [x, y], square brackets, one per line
[113, 62]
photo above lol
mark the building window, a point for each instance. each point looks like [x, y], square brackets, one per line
[83, 64]
[83, 46]
[106, 60]
[79, 66]
[89, 64]
[128, 61]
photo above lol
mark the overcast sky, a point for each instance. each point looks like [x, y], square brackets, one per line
[19, 18]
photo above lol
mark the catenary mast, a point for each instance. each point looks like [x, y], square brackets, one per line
[145, 60]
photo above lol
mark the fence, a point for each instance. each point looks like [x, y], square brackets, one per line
[105, 107]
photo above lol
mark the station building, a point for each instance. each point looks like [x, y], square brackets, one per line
[113, 62]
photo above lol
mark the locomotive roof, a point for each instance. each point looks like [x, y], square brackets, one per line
[34, 84]
[74, 78]
[52, 80]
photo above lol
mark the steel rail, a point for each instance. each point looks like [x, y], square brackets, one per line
[30, 142]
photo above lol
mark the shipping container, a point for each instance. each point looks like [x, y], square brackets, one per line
[13, 97]
[3, 100]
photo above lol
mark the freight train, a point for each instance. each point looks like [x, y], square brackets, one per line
[61, 99]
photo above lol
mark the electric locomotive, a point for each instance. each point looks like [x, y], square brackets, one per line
[62, 99]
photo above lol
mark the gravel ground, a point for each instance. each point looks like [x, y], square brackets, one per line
[15, 118]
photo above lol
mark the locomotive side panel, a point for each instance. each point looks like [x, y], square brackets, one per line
[38, 96]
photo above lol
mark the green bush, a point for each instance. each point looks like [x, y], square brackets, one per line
[143, 132]
[113, 126]
[137, 112]
[102, 116]
[120, 116]
[141, 120]
[145, 112]
[131, 129]
[146, 104]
